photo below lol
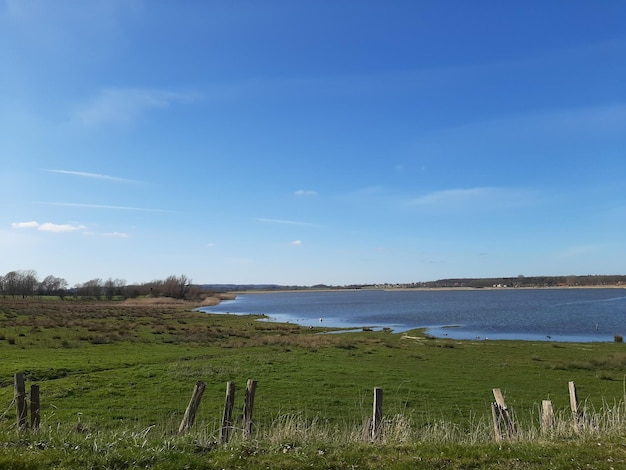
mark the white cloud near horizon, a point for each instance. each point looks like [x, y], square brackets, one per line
[296, 242]
[48, 226]
[32, 224]
[126, 105]
[99, 176]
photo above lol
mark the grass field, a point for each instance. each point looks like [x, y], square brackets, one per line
[116, 377]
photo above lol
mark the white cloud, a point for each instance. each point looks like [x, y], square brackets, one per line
[48, 227]
[32, 224]
[59, 228]
[126, 105]
[92, 175]
[296, 242]
[305, 192]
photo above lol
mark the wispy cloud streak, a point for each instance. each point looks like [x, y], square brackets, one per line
[126, 105]
[490, 197]
[102, 206]
[98, 176]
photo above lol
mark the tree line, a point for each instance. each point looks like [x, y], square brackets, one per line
[26, 283]
[531, 281]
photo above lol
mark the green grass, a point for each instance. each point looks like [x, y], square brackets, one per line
[115, 379]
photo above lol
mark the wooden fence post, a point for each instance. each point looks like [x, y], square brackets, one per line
[20, 401]
[500, 414]
[248, 405]
[573, 402]
[35, 407]
[192, 408]
[497, 428]
[547, 416]
[228, 412]
[377, 415]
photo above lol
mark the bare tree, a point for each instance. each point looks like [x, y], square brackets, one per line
[113, 287]
[20, 283]
[52, 285]
[12, 283]
[29, 282]
[176, 287]
[92, 288]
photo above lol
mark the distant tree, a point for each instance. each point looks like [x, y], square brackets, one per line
[52, 285]
[176, 287]
[113, 287]
[92, 288]
[11, 283]
[28, 283]
[61, 288]
[21, 283]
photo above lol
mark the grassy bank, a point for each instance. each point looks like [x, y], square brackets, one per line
[115, 379]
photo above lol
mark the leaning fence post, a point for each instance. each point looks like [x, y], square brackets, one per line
[547, 416]
[573, 402]
[500, 412]
[20, 401]
[228, 411]
[35, 407]
[377, 415]
[192, 408]
[248, 405]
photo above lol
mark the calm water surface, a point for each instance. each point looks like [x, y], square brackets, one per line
[530, 314]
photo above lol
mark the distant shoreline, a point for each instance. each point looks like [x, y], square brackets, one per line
[425, 289]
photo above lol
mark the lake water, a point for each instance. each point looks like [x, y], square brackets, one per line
[581, 315]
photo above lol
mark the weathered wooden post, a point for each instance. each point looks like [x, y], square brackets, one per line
[377, 415]
[228, 412]
[547, 416]
[35, 407]
[192, 408]
[573, 402]
[248, 405]
[20, 401]
[500, 413]
[497, 428]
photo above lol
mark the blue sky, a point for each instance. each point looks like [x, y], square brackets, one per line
[305, 142]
